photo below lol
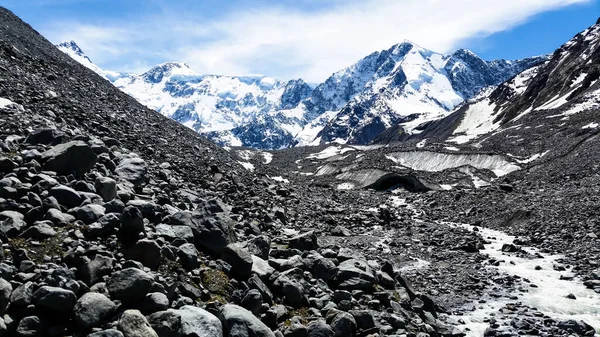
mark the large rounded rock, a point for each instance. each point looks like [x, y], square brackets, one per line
[132, 169]
[11, 223]
[129, 285]
[91, 309]
[46, 136]
[132, 224]
[188, 256]
[239, 322]
[22, 295]
[90, 213]
[305, 241]
[134, 324]
[212, 232]
[196, 322]
[5, 291]
[40, 231]
[66, 196]
[145, 251]
[70, 158]
[319, 328]
[54, 299]
[343, 324]
[355, 274]
[239, 258]
[106, 188]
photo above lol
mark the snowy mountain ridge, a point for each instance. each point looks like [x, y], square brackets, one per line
[72, 49]
[404, 84]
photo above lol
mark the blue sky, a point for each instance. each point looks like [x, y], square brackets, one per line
[298, 38]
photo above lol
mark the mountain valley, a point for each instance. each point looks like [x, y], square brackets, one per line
[411, 194]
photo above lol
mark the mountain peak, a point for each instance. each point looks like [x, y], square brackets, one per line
[157, 73]
[71, 48]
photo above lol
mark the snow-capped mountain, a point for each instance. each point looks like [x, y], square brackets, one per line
[72, 49]
[563, 88]
[408, 85]
[404, 84]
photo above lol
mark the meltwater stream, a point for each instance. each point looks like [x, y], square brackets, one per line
[550, 295]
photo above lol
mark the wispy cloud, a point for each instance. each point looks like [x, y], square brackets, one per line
[310, 42]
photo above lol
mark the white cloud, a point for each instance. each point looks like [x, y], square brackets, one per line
[290, 43]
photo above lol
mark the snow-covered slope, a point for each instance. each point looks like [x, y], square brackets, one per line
[404, 84]
[564, 90]
[72, 49]
[409, 85]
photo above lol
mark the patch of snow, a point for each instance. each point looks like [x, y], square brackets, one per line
[478, 120]
[591, 126]
[435, 162]
[345, 186]
[327, 153]
[5, 102]
[246, 154]
[422, 143]
[246, 165]
[281, 179]
[415, 265]
[268, 157]
[451, 148]
[532, 158]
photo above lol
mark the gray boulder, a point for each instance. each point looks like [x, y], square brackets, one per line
[134, 324]
[106, 188]
[54, 299]
[132, 223]
[239, 322]
[90, 213]
[66, 196]
[188, 256]
[69, 158]
[91, 271]
[132, 169]
[355, 273]
[11, 223]
[129, 285]
[145, 251]
[343, 324]
[22, 295]
[305, 241]
[319, 328]
[91, 310]
[40, 231]
[58, 218]
[155, 302]
[212, 232]
[196, 322]
[5, 291]
[239, 258]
